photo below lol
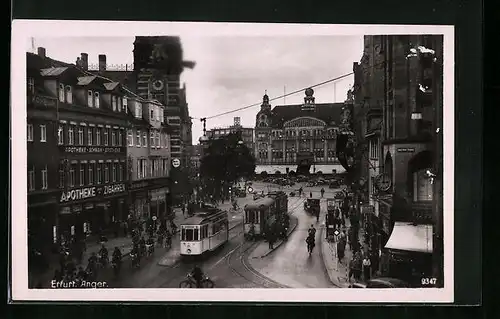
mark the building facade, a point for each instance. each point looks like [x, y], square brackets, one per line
[88, 128]
[148, 160]
[398, 103]
[289, 134]
[247, 134]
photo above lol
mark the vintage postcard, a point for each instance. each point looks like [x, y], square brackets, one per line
[232, 162]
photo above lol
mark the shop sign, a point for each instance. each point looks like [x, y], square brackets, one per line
[138, 185]
[91, 192]
[406, 149]
[158, 194]
[92, 149]
[41, 100]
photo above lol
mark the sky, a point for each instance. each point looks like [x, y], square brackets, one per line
[235, 71]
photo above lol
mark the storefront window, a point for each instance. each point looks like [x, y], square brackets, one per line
[422, 187]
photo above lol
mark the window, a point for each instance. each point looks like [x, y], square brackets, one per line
[138, 141]
[152, 114]
[72, 176]
[165, 167]
[31, 85]
[82, 174]
[144, 139]
[113, 138]
[125, 105]
[187, 234]
[60, 92]
[161, 115]
[45, 180]
[97, 100]
[80, 136]
[29, 133]
[91, 174]
[152, 139]
[106, 173]
[118, 104]
[98, 136]
[106, 137]
[374, 149]
[61, 175]
[138, 111]
[120, 138]
[90, 98]
[43, 133]
[99, 174]
[113, 172]
[60, 135]
[422, 186]
[139, 169]
[90, 134]
[130, 138]
[31, 179]
[120, 172]
[144, 168]
[71, 135]
[113, 103]
[69, 94]
[158, 145]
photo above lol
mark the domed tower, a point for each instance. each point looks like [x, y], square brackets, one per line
[263, 119]
[262, 132]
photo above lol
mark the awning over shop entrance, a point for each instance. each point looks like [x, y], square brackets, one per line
[410, 237]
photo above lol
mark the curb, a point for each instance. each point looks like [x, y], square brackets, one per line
[282, 241]
[333, 279]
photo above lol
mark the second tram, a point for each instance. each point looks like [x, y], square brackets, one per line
[204, 232]
[260, 211]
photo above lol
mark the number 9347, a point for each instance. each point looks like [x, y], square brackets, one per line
[428, 281]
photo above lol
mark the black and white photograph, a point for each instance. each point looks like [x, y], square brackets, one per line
[232, 162]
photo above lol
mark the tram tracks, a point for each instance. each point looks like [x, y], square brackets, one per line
[237, 262]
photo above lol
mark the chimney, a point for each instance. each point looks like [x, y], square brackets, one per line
[84, 61]
[42, 52]
[102, 62]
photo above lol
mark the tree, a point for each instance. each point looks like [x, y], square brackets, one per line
[226, 161]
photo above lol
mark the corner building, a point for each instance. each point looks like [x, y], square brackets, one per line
[398, 93]
[89, 129]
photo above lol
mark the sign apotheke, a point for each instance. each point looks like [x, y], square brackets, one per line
[93, 149]
[91, 192]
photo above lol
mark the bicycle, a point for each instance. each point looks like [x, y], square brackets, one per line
[191, 283]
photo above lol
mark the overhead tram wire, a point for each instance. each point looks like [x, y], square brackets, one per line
[285, 95]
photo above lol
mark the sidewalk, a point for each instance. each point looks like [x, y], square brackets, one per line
[124, 243]
[338, 271]
[262, 250]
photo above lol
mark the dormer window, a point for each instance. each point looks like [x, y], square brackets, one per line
[113, 103]
[125, 105]
[138, 111]
[161, 115]
[31, 85]
[118, 104]
[90, 98]
[97, 99]
[69, 94]
[61, 92]
[152, 114]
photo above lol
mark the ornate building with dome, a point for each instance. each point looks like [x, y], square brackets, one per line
[298, 137]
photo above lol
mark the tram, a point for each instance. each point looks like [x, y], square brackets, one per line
[204, 232]
[258, 214]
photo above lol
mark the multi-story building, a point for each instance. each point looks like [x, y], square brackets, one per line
[398, 93]
[247, 133]
[88, 124]
[148, 155]
[300, 136]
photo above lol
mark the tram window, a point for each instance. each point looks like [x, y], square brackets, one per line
[187, 235]
[204, 232]
[183, 234]
[196, 234]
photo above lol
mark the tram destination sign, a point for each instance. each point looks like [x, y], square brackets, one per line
[91, 192]
[93, 149]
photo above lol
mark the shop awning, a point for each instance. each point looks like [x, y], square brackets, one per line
[410, 237]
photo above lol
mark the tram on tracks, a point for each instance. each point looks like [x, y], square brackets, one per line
[263, 213]
[204, 232]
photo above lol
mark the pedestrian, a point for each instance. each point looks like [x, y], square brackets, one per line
[366, 268]
[310, 195]
[322, 192]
